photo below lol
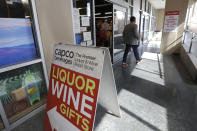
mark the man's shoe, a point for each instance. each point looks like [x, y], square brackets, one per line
[138, 61]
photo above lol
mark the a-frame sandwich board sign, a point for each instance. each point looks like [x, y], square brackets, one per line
[79, 78]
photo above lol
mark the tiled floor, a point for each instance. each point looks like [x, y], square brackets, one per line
[155, 95]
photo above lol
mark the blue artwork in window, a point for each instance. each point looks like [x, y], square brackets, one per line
[16, 41]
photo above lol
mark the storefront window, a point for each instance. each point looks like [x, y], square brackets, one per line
[83, 22]
[17, 41]
[119, 22]
[22, 90]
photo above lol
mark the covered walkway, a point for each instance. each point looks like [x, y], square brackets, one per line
[155, 95]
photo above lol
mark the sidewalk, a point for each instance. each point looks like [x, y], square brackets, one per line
[154, 95]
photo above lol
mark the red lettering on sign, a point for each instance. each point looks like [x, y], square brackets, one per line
[172, 12]
[75, 96]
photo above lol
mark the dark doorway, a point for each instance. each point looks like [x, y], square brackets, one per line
[104, 24]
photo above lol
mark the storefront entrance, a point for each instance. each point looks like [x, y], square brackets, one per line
[110, 22]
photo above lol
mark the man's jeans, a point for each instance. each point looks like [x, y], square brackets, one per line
[135, 51]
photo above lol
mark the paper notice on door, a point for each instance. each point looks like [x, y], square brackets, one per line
[89, 42]
[83, 29]
[87, 36]
[115, 27]
[85, 21]
[83, 43]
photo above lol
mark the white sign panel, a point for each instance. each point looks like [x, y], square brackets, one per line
[85, 21]
[78, 80]
[171, 21]
[87, 36]
[89, 42]
[83, 29]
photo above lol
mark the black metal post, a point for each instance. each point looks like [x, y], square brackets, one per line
[185, 33]
[190, 47]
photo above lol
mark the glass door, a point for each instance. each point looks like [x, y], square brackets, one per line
[144, 27]
[119, 22]
[104, 24]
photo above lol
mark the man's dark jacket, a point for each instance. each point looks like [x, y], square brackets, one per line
[130, 34]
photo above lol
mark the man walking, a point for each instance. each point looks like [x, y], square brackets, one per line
[131, 37]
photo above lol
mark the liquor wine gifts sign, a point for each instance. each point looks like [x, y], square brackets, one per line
[77, 73]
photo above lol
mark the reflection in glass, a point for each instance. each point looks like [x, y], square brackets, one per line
[17, 42]
[153, 24]
[119, 24]
[146, 28]
[22, 90]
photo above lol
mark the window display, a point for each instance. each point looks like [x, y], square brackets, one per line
[23, 77]
[22, 90]
[17, 42]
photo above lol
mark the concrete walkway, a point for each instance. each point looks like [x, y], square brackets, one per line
[155, 95]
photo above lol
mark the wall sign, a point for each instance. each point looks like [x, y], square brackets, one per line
[171, 21]
[76, 75]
